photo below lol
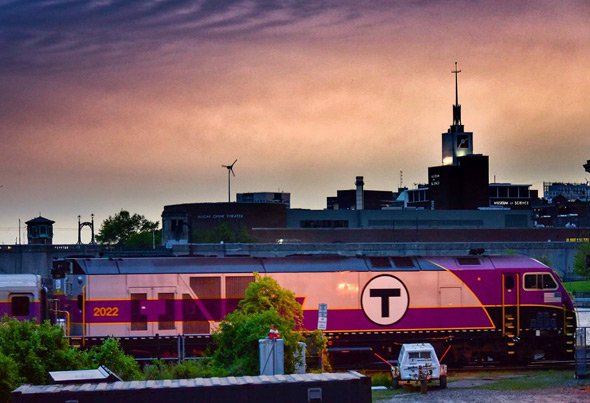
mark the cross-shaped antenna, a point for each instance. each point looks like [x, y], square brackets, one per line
[230, 168]
[456, 73]
[456, 107]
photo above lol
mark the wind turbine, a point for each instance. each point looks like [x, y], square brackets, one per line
[230, 168]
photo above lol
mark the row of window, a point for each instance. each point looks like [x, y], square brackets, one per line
[533, 281]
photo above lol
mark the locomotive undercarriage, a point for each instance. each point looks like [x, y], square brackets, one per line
[455, 348]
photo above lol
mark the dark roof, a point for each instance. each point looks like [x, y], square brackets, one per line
[40, 220]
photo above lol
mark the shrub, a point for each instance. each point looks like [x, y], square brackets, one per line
[236, 340]
[111, 355]
[9, 378]
[37, 349]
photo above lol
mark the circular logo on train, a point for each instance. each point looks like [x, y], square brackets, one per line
[385, 300]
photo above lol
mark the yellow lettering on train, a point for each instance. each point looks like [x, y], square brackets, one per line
[106, 311]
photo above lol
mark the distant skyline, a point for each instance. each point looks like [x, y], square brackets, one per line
[110, 105]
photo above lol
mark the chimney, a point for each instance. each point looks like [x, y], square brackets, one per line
[360, 197]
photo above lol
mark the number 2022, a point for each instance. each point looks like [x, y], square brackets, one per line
[108, 311]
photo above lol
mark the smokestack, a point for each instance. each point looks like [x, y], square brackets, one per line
[360, 196]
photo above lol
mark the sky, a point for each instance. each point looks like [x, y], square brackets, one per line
[110, 105]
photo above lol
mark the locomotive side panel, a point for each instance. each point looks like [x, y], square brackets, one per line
[165, 304]
[21, 296]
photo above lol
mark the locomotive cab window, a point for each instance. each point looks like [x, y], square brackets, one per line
[539, 281]
[509, 282]
[20, 305]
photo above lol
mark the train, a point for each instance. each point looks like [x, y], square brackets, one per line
[472, 308]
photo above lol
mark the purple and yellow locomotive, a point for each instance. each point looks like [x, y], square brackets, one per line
[472, 308]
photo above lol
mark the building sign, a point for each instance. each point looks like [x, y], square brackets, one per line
[385, 300]
[434, 180]
[322, 316]
[511, 203]
[219, 216]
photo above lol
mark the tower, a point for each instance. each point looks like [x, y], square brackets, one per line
[360, 197]
[456, 142]
[40, 231]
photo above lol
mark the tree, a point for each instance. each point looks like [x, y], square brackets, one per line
[265, 303]
[9, 378]
[223, 232]
[111, 355]
[580, 265]
[28, 351]
[124, 229]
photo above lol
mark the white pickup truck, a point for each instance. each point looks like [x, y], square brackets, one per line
[418, 365]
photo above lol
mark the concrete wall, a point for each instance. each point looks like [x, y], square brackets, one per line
[16, 259]
[38, 259]
[560, 255]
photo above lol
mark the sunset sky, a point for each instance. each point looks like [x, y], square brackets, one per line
[110, 105]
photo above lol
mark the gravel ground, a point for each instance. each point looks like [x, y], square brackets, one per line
[462, 392]
[482, 396]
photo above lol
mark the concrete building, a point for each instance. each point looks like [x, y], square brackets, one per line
[265, 197]
[571, 191]
[359, 198]
[192, 222]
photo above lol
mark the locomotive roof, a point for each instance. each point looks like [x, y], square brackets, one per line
[307, 263]
[20, 280]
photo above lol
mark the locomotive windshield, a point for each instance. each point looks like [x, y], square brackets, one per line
[539, 281]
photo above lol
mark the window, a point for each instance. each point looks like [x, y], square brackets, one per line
[419, 354]
[20, 305]
[539, 281]
[509, 282]
[468, 261]
[549, 282]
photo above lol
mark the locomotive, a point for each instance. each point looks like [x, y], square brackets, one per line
[472, 308]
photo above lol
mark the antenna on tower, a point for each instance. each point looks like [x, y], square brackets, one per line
[456, 107]
[230, 168]
[401, 179]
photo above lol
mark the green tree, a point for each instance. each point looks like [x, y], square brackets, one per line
[224, 232]
[9, 378]
[35, 350]
[265, 303]
[580, 266]
[111, 355]
[124, 229]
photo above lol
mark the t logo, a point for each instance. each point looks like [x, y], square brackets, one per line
[385, 300]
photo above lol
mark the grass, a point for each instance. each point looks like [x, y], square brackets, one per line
[577, 286]
[496, 380]
[528, 380]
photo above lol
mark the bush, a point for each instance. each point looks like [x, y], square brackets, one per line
[265, 303]
[9, 378]
[201, 368]
[37, 349]
[111, 355]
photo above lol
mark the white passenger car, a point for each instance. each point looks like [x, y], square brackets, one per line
[418, 364]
